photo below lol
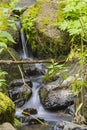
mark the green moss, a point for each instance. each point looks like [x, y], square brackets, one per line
[7, 109]
[43, 93]
[59, 14]
[17, 123]
[45, 21]
[27, 95]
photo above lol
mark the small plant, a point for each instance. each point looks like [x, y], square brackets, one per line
[3, 81]
[53, 71]
[2, 76]
[75, 18]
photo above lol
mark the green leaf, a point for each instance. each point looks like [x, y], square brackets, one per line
[1, 50]
[2, 80]
[3, 45]
[7, 36]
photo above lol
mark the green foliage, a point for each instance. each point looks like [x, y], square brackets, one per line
[5, 11]
[17, 123]
[78, 85]
[75, 22]
[5, 37]
[75, 18]
[59, 14]
[2, 76]
[54, 69]
[28, 24]
[46, 21]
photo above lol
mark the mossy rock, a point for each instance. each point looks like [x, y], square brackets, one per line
[7, 109]
[48, 40]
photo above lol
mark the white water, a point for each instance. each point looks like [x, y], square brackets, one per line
[24, 45]
[34, 102]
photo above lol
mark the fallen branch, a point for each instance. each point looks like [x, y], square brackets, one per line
[28, 61]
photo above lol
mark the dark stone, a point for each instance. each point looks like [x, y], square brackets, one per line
[57, 100]
[30, 111]
[32, 70]
[19, 82]
[20, 92]
[70, 110]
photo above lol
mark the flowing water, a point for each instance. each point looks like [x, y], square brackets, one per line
[24, 47]
[34, 102]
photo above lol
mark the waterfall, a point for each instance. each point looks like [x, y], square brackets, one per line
[25, 49]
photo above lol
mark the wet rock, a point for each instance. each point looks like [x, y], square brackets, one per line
[30, 111]
[58, 94]
[7, 109]
[70, 126]
[20, 92]
[32, 70]
[7, 126]
[35, 121]
[23, 119]
[19, 82]
[57, 100]
[70, 110]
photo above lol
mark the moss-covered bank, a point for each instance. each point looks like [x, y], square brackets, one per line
[7, 109]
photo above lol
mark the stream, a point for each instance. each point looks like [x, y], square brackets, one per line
[34, 102]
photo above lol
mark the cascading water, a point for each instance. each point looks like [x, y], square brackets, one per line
[34, 101]
[24, 46]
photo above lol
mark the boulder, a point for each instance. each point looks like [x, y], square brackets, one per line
[7, 126]
[48, 40]
[7, 109]
[58, 94]
[19, 91]
[57, 99]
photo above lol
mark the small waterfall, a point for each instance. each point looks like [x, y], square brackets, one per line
[24, 46]
[25, 54]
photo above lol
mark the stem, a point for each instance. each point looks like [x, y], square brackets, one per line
[82, 60]
[27, 113]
